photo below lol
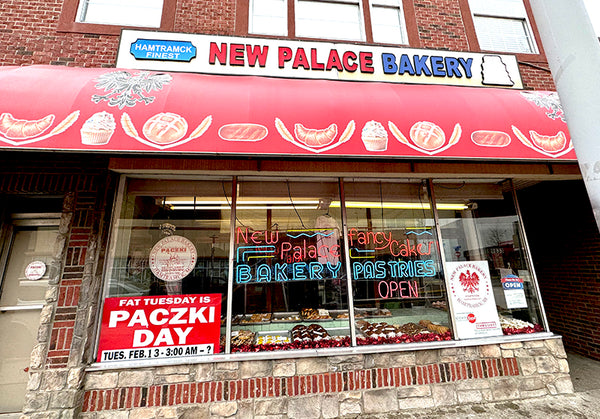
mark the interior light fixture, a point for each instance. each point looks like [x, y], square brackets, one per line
[240, 201]
[399, 205]
[239, 207]
[187, 203]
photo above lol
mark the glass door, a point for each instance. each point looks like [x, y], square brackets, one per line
[28, 250]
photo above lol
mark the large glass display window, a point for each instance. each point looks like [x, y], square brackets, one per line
[290, 283]
[151, 211]
[397, 280]
[168, 270]
[258, 264]
[490, 279]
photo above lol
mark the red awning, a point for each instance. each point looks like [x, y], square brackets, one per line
[117, 110]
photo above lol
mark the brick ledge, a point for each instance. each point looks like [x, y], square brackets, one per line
[230, 390]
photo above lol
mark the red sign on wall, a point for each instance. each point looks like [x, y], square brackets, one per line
[141, 328]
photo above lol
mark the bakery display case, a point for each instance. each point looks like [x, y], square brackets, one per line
[373, 326]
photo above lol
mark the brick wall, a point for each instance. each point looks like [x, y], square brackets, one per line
[334, 386]
[536, 76]
[440, 24]
[566, 255]
[207, 16]
[28, 33]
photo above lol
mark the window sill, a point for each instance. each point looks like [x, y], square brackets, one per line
[97, 29]
[68, 24]
[307, 353]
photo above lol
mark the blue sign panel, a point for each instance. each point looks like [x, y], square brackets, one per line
[162, 50]
[512, 282]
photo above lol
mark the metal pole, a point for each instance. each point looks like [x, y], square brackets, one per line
[440, 249]
[349, 284]
[230, 279]
[573, 53]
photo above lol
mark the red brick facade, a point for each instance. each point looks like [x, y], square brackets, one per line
[440, 25]
[567, 263]
[29, 36]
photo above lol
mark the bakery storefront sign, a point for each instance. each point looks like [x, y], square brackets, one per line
[472, 297]
[310, 254]
[159, 327]
[315, 60]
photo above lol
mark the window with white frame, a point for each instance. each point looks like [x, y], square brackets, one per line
[502, 25]
[268, 17]
[330, 19]
[142, 13]
[387, 22]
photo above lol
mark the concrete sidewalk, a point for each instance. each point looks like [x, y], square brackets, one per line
[583, 404]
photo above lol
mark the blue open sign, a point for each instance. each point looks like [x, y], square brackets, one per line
[512, 282]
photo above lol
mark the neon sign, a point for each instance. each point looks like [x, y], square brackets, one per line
[264, 256]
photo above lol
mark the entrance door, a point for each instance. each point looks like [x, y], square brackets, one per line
[27, 252]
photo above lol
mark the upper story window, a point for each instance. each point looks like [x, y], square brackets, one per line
[144, 13]
[268, 17]
[502, 25]
[387, 22]
[330, 19]
[109, 16]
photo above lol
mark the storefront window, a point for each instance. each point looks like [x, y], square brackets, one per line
[289, 276]
[486, 262]
[398, 286]
[167, 278]
[183, 282]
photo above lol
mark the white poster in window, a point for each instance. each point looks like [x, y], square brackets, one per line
[172, 258]
[514, 294]
[35, 270]
[473, 300]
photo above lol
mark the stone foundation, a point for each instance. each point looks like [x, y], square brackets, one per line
[334, 386]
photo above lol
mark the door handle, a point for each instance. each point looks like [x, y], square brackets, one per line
[4, 309]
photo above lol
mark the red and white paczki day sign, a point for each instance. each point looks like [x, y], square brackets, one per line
[151, 327]
[473, 300]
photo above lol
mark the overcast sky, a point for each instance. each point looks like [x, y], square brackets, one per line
[593, 8]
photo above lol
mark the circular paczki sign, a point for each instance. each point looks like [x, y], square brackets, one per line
[35, 270]
[172, 258]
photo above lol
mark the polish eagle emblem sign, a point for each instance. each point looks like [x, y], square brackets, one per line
[469, 281]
